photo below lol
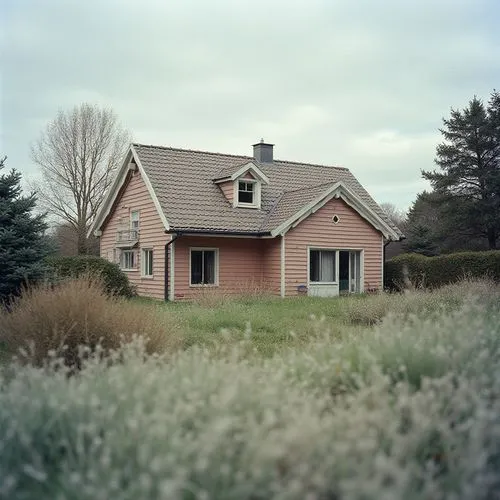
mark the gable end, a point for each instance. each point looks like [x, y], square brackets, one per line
[116, 188]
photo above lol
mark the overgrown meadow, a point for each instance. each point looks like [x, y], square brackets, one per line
[378, 397]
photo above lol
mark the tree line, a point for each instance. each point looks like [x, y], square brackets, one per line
[462, 210]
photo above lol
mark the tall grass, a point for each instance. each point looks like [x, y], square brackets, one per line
[273, 323]
[407, 409]
[53, 321]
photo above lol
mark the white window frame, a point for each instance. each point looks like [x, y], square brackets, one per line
[132, 220]
[205, 249]
[144, 261]
[337, 265]
[315, 249]
[256, 193]
[122, 258]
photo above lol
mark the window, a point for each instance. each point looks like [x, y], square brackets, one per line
[204, 267]
[322, 266]
[147, 262]
[134, 220]
[246, 192]
[127, 259]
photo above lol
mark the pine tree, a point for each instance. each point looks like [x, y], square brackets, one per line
[22, 242]
[469, 162]
[421, 226]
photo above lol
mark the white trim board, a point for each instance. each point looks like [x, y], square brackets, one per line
[247, 167]
[111, 197]
[338, 190]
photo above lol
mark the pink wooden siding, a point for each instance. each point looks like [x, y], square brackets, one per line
[272, 264]
[228, 190]
[244, 263]
[135, 196]
[352, 232]
[240, 265]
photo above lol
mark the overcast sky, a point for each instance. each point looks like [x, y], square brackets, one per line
[363, 84]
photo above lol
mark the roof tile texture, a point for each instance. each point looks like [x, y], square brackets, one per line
[183, 182]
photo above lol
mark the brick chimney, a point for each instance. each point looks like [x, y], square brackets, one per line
[263, 152]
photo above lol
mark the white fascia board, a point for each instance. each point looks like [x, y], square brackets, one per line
[108, 202]
[151, 191]
[120, 179]
[367, 213]
[338, 190]
[250, 166]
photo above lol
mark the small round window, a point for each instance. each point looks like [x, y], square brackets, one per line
[335, 219]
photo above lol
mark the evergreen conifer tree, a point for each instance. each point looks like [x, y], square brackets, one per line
[469, 162]
[23, 245]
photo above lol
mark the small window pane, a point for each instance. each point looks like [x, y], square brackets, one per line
[150, 263]
[327, 266]
[314, 266]
[209, 267]
[134, 220]
[147, 262]
[245, 192]
[196, 267]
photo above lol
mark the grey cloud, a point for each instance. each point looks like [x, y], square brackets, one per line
[363, 84]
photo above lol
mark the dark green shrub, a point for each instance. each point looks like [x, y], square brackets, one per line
[437, 271]
[113, 278]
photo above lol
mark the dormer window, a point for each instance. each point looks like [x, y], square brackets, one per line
[242, 185]
[246, 192]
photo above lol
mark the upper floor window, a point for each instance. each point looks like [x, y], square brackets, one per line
[248, 193]
[134, 220]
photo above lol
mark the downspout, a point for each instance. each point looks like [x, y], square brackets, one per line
[166, 264]
[282, 267]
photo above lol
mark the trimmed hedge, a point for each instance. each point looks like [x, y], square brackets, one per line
[433, 272]
[115, 280]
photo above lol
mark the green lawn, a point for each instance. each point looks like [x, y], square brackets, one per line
[268, 322]
[272, 323]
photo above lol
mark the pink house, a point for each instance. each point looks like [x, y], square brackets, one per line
[179, 221]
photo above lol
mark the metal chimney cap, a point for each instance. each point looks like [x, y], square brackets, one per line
[262, 142]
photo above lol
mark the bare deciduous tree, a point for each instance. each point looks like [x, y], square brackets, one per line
[395, 214]
[78, 154]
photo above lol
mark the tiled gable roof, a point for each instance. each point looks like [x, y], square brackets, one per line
[183, 183]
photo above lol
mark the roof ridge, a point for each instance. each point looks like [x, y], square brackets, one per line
[306, 188]
[312, 164]
[235, 155]
[192, 150]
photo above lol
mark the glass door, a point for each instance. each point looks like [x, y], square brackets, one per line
[355, 271]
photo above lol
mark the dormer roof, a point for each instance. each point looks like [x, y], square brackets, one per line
[238, 171]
